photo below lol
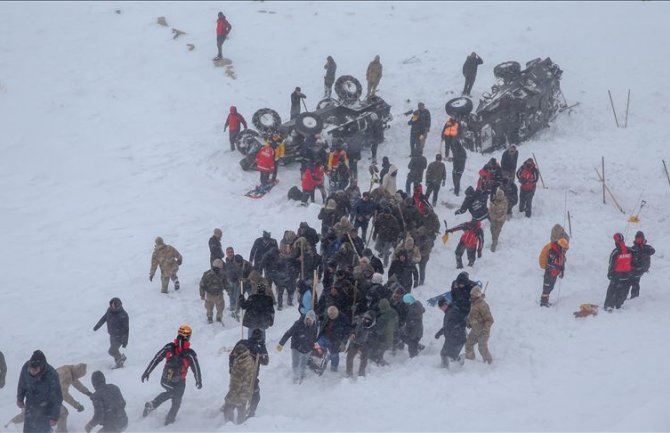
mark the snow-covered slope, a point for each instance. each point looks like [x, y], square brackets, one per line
[112, 134]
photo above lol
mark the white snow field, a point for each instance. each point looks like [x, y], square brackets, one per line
[111, 134]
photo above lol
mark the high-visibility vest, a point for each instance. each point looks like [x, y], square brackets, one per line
[450, 129]
[624, 261]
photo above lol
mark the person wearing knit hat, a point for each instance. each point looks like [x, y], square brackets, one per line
[412, 332]
[39, 393]
[303, 335]
[453, 330]
[333, 334]
[212, 285]
[215, 249]
[479, 321]
[642, 253]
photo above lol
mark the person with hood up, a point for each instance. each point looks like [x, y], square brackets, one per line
[69, 375]
[642, 253]
[412, 332]
[619, 273]
[179, 357]
[453, 330]
[385, 330]
[360, 341]
[109, 406]
[386, 232]
[405, 271]
[233, 123]
[554, 268]
[168, 259]
[498, 216]
[303, 336]
[386, 165]
[223, 28]
[215, 249]
[373, 76]
[528, 176]
[460, 292]
[296, 97]
[259, 353]
[479, 321]
[39, 393]
[118, 328]
[259, 310]
[329, 78]
[265, 163]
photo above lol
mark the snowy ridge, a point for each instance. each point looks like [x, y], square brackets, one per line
[112, 135]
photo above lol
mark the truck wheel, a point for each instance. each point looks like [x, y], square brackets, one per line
[266, 120]
[460, 106]
[507, 71]
[348, 89]
[248, 141]
[248, 162]
[308, 124]
[324, 103]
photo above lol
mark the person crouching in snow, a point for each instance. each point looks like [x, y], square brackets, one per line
[472, 241]
[303, 336]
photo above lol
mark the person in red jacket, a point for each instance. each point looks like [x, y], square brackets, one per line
[309, 181]
[319, 176]
[472, 241]
[265, 162]
[554, 269]
[233, 123]
[528, 176]
[222, 29]
[619, 273]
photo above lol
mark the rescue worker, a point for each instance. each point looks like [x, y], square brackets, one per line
[555, 268]
[498, 216]
[641, 262]
[528, 176]
[472, 241]
[329, 78]
[168, 259]
[70, 375]
[233, 123]
[373, 76]
[436, 175]
[470, 71]
[223, 28]
[265, 163]
[179, 357]
[451, 138]
[619, 273]
[296, 97]
[212, 285]
[277, 143]
[479, 321]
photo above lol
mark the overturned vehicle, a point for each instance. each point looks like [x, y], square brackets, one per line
[521, 103]
[343, 119]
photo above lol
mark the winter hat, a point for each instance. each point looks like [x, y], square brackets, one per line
[476, 292]
[266, 235]
[442, 302]
[310, 316]
[463, 278]
[332, 204]
[639, 237]
[618, 238]
[469, 190]
[116, 301]
[217, 263]
[159, 241]
[221, 15]
[333, 312]
[218, 233]
[377, 278]
[38, 360]
[98, 379]
[257, 335]
[367, 253]
[408, 299]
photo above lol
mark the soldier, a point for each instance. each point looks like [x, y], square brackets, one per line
[178, 357]
[215, 250]
[168, 259]
[436, 175]
[259, 353]
[296, 97]
[39, 393]
[212, 285]
[470, 71]
[498, 216]
[373, 76]
[479, 321]
[240, 389]
[108, 405]
[70, 375]
[117, 327]
[329, 78]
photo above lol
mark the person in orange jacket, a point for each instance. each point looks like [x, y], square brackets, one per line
[265, 163]
[233, 123]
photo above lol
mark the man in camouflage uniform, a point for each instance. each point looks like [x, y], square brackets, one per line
[169, 259]
[498, 216]
[479, 321]
[373, 75]
[212, 285]
[242, 376]
[70, 375]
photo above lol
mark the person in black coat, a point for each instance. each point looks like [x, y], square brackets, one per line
[460, 155]
[375, 261]
[260, 247]
[307, 232]
[412, 332]
[453, 329]
[334, 332]
[256, 346]
[303, 336]
[476, 203]
[642, 253]
[417, 165]
[259, 311]
[118, 328]
[39, 393]
[470, 71]
[363, 211]
[109, 406]
[508, 162]
[420, 125]
[460, 292]
[215, 250]
[405, 271]
[296, 97]
[386, 166]
[511, 193]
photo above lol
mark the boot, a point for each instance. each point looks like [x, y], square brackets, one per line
[445, 362]
[209, 320]
[148, 408]
[120, 361]
[544, 301]
[459, 263]
[241, 414]
[176, 284]
[228, 412]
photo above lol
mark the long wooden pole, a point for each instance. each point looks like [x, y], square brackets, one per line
[665, 167]
[569, 225]
[539, 171]
[616, 203]
[613, 111]
[315, 281]
[603, 179]
[627, 105]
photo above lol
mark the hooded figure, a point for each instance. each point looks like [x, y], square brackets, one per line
[70, 375]
[498, 216]
[619, 273]
[118, 328]
[240, 389]
[329, 78]
[108, 406]
[373, 76]
[389, 182]
[642, 253]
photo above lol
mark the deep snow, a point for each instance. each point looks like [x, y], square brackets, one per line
[112, 135]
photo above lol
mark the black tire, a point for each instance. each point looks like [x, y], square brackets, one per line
[248, 162]
[460, 106]
[348, 89]
[507, 71]
[248, 141]
[266, 120]
[308, 124]
[328, 102]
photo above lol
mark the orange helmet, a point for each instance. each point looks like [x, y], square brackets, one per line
[185, 331]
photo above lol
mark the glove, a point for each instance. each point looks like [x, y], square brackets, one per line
[443, 183]
[179, 261]
[80, 408]
[198, 385]
[88, 394]
[20, 404]
[145, 376]
[88, 428]
[459, 211]
[560, 275]
[438, 334]
[280, 348]
[151, 277]
[479, 254]
[124, 345]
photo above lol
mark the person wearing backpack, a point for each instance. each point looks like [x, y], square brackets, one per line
[619, 273]
[472, 241]
[641, 261]
[552, 260]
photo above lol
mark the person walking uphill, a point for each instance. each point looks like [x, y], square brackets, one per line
[70, 375]
[109, 406]
[329, 78]
[373, 76]
[528, 176]
[619, 273]
[453, 329]
[498, 216]
[259, 311]
[233, 123]
[436, 175]
[39, 393]
[242, 369]
[303, 336]
[212, 285]
[470, 71]
[451, 134]
[296, 97]
[479, 321]
[118, 329]
[168, 259]
[215, 249]
[223, 28]
[179, 357]
[259, 353]
[552, 260]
